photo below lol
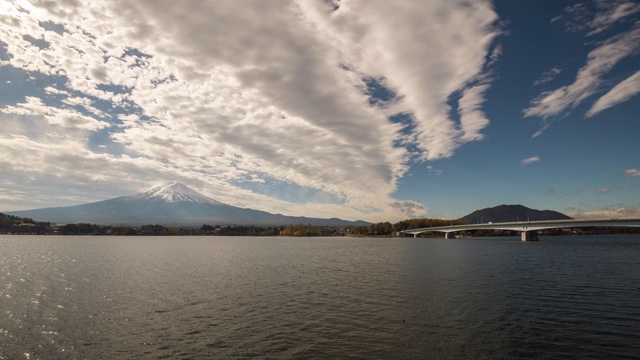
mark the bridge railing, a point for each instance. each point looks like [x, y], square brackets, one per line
[532, 225]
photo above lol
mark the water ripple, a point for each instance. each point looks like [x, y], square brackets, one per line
[281, 298]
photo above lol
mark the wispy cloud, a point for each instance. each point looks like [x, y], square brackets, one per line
[530, 160]
[622, 92]
[411, 209]
[620, 211]
[433, 170]
[631, 173]
[600, 61]
[612, 13]
[68, 118]
[578, 17]
[547, 76]
[423, 69]
[589, 77]
[219, 96]
[603, 190]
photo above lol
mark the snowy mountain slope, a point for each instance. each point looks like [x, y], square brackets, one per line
[169, 204]
[172, 192]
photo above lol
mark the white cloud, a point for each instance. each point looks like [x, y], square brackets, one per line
[631, 173]
[53, 91]
[408, 44]
[553, 105]
[579, 18]
[547, 76]
[67, 118]
[600, 61]
[472, 119]
[411, 209]
[214, 94]
[612, 13]
[530, 160]
[622, 92]
[618, 212]
[431, 169]
[603, 190]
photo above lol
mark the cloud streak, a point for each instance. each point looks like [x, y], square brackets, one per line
[578, 18]
[631, 173]
[547, 76]
[618, 212]
[221, 95]
[553, 105]
[620, 93]
[599, 61]
[409, 46]
[530, 160]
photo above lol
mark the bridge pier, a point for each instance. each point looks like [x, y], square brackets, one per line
[450, 235]
[529, 236]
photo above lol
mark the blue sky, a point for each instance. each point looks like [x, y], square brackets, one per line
[371, 110]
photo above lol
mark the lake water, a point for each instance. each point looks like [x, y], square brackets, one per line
[318, 298]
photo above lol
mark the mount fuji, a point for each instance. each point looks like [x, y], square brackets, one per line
[169, 204]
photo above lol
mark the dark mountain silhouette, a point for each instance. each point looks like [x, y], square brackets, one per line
[508, 213]
[170, 204]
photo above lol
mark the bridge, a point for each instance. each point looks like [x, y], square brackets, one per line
[527, 228]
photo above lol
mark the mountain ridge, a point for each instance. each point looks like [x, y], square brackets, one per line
[510, 213]
[172, 192]
[170, 204]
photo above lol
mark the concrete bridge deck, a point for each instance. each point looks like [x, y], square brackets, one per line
[528, 228]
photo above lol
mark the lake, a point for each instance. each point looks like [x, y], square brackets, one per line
[96, 297]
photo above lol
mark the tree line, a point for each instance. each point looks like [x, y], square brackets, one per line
[19, 225]
[387, 228]
[10, 224]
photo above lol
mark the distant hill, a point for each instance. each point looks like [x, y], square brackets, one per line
[7, 221]
[507, 213]
[170, 204]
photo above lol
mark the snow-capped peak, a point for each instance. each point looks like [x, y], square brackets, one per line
[173, 192]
